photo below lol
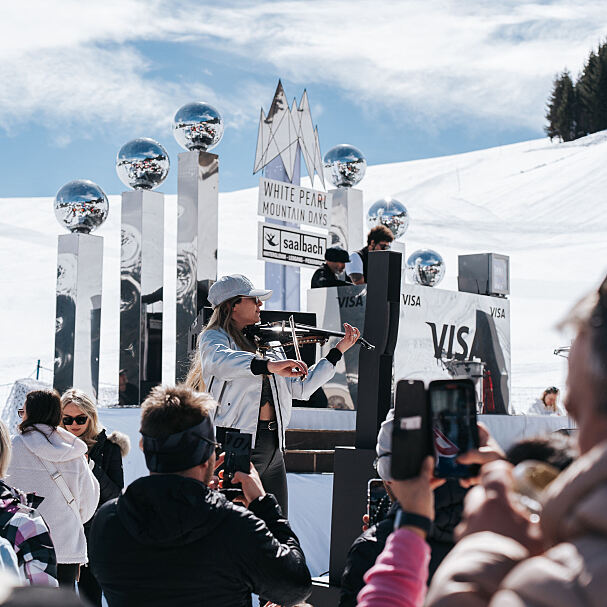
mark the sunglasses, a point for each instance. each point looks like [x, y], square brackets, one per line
[20, 412]
[239, 300]
[383, 246]
[68, 420]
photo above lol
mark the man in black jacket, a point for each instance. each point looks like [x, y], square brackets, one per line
[172, 540]
[336, 259]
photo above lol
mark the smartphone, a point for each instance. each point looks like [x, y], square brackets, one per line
[411, 431]
[237, 447]
[378, 502]
[454, 429]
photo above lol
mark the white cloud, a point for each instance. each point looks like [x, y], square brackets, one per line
[443, 61]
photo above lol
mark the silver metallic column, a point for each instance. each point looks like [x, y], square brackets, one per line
[141, 280]
[78, 312]
[197, 227]
[347, 219]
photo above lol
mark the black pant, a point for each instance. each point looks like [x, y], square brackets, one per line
[67, 574]
[88, 586]
[268, 461]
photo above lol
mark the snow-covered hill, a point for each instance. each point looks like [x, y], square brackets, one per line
[541, 203]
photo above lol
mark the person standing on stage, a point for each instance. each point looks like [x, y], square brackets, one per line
[330, 274]
[378, 239]
[255, 394]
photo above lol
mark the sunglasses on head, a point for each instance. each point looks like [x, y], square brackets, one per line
[68, 420]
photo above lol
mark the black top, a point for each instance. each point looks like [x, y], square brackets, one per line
[364, 255]
[108, 468]
[170, 540]
[325, 277]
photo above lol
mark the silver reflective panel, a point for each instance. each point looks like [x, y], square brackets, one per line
[391, 213]
[344, 166]
[198, 126]
[141, 294]
[197, 226]
[142, 164]
[78, 312]
[81, 206]
[346, 219]
[425, 267]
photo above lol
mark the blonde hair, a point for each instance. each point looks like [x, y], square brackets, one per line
[82, 400]
[220, 319]
[5, 449]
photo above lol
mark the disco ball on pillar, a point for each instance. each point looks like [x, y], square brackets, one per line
[198, 126]
[142, 164]
[81, 206]
[391, 213]
[425, 267]
[344, 166]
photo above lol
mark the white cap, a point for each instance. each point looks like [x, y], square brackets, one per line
[235, 285]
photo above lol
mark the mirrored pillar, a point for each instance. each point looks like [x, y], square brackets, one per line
[347, 219]
[197, 227]
[141, 294]
[78, 312]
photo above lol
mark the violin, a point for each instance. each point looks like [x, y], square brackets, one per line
[293, 334]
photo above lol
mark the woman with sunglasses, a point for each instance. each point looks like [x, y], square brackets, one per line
[255, 394]
[49, 461]
[105, 453]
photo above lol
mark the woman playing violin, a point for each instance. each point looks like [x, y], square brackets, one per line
[254, 393]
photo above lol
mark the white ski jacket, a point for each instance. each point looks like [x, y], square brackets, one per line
[65, 453]
[227, 375]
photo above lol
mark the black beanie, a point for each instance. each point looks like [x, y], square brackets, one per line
[337, 254]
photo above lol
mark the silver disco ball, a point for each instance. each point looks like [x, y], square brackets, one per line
[344, 166]
[142, 164]
[81, 206]
[425, 267]
[198, 126]
[390, 213]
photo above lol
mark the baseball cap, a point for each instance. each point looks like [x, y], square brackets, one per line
[337, 254]
[235, 285]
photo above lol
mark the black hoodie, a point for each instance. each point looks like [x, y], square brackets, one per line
[170, 540]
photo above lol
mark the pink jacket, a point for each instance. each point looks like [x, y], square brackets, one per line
[399, 576]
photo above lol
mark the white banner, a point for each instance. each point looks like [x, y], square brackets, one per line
[293, 203]
[441, 334]
[290, 246]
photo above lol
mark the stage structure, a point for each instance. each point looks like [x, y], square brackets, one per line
[284, 135]
[198, 127]
[142, 164]
[344, 167]
[80, 206]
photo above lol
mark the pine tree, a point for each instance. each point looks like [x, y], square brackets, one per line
[553, 105]
[588, 86]
[561, 114]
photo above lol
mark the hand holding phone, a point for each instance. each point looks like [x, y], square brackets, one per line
[237, 447]
[378, 502]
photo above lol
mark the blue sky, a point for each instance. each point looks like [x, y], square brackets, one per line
[401, 80]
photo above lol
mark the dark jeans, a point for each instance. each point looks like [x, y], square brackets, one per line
[88, 586]
[67, 574]
[267, 459]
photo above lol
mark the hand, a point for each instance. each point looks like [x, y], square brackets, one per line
[416, 495]
[488, 451]
[489, 507]
[349, 339]
[288, 368]
[251, 484]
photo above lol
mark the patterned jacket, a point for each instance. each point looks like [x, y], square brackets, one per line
[28, 534]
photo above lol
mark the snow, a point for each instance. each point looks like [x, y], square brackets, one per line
[541, 203]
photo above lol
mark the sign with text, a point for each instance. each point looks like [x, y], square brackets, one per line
[290, 246]
[293, 203]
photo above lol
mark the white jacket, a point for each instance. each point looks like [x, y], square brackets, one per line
[226, 372]
[66, 453]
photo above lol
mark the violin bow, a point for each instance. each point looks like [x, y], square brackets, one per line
[295, 342]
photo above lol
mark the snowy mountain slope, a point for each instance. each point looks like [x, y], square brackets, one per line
[541, 203]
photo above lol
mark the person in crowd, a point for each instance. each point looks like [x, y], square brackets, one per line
[331, 273]
[49, 460]
[547, 404]
[105, 453]
[8, 559]
[14, 594]
[255, 394]
[172, 540]
[506, 559]
[23, 527]
[378, 239]
[127, 392]
[448, 504]
[400, 574]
